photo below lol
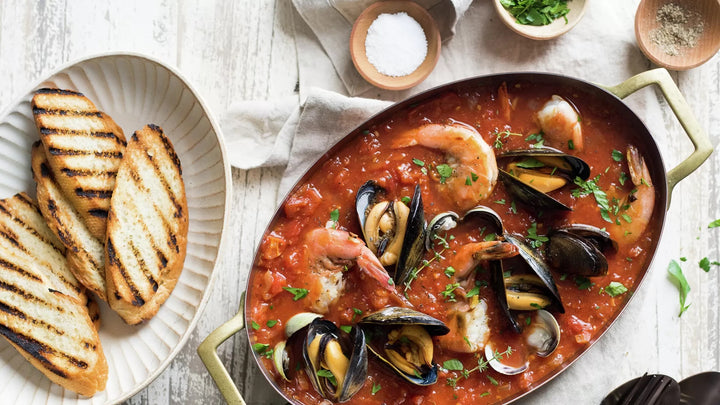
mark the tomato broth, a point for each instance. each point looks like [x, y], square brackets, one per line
[505, 123]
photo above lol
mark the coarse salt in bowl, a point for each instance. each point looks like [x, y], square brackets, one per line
[395, 44]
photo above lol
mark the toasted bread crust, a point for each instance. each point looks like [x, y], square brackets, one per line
[49, 328]
[84, 148]
[147, 227]
[85, 253]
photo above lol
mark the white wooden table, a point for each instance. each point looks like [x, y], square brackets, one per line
[233, 50]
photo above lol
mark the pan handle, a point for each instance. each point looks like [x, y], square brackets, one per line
[699, 138]
[209, 356]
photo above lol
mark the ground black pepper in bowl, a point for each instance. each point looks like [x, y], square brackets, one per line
[680, 28]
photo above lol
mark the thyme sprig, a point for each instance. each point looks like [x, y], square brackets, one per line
[482, 365]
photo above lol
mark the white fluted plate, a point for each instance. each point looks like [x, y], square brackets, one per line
[134, 90]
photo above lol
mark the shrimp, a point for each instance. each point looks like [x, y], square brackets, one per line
[560, 122]
[474, 169]
[329, 253]
[467, 320]
[638, 205]
[468, 257]
[469, 330]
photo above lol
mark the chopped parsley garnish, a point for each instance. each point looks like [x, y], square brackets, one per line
[490, 237]
[453, 364]
[590, 186]
[683, 259]
[500, 201]
[327, 374]
[617, 155]
[535, 240]
[449, 271]
[468, 182]
[418, 162]
[615, 288]
[492, 380]
[538, 138]
[263, 349]
[356, 312]
[346, 328]
[445, 171]
[406, 200]
[298, 292]
[513, 208]
[376, 388]
[335, 216]
[714, 224]
[474, 176]
[571, 144]
[271, 322]
[705, 264]
[583, 283]
[681, 283]
[623, 178]
[255, 325]
[536, 12]
[530, 163]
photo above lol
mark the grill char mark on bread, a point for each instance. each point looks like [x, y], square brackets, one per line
[147, 227]
[84, 252]
[85, 149]
[38, 314]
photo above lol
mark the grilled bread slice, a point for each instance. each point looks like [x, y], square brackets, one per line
[23, 234]
[49, 328]
[85, 253]
[84, 148]
[147, 227]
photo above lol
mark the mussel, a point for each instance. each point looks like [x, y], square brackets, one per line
[402, 339]
[334, 361]
[578, 249]
[391, 229]
[529, 175]
[542, 336]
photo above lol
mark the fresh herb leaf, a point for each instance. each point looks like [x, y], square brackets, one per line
[536, 240]
[406, 200]
[474, 176]
[500, 201]
[714, 224]
[538, 138]
[298, 292]
[453, 364]
[335, 215]
[623, 178]
[536, 12]
[271, 322]
[501, 136]
[530, 163]
[617, 155]
[705, 264]
[418, 162]
[255, 325]
[449, 271]
[492, 380]
[263, 349]
[490, 237]
[583, 283]
[615, 288]
[681, 283]
[468, 182]
[346, 328]
[449, 293]
[375, 388]
[513, 208]
[445, 171]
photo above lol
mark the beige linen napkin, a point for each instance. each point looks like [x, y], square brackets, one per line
[331, 22]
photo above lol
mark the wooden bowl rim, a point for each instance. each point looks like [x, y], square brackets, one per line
[544, 32]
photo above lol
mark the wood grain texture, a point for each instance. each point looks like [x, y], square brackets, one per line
[245, 49]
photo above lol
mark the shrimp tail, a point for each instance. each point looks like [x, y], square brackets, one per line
[370, 265]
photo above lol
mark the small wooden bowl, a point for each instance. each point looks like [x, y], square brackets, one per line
[544, 32]
[687, 58]
[359, 33]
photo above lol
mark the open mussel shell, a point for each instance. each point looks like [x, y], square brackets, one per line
[542, 337]
[565, 168]
[538, 265]
[392, 230]
[598, 237]
[529, 195]
[445, 221]
[413, 245]
[402, 339]
[568, 165]
[287, 354]
[335, 361]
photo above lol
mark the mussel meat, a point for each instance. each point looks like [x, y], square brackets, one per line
[578, 249]
[529, 175]
[393, 231]
[402, 339]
